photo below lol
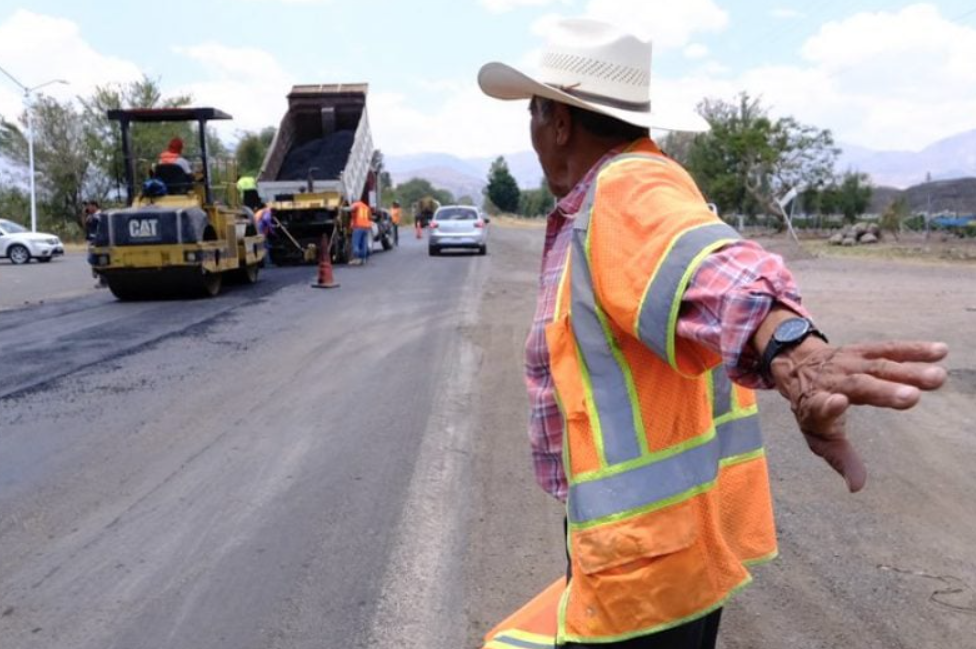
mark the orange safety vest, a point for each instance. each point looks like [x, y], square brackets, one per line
[668, 487]
[533, 625]
[395, 215]
[361, 216]
[169, 157]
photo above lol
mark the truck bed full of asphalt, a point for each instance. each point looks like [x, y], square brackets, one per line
[324, 158]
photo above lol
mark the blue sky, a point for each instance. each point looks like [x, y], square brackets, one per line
[881, 74]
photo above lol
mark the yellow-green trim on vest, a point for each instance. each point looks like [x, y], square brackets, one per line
[563, 637]
[664, 482]
[658, 311]
[520, 640]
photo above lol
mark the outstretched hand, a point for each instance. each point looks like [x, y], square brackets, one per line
[822, 382]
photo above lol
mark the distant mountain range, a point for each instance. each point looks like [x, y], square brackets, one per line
[947, 159]
[462, 176]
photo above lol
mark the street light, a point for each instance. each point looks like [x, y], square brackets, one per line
[30, 137]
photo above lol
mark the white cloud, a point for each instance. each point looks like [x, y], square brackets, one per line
[785, 13]
[247, 82]
[467, 124]
[695, 51]
[670, 25]
[504, 6]
[36, 48]
[882, 80]
[906, 78]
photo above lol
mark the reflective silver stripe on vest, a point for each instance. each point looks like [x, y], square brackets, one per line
[612, 405]
[667, 478]
[517, 642]
[721, 392]
[611, 398]
[654, 322]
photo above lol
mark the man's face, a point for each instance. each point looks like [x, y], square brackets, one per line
[543, 136]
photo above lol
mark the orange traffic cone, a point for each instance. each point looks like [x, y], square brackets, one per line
[533, 625]
[325, 266]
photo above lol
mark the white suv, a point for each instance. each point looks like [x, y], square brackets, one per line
[20, 245]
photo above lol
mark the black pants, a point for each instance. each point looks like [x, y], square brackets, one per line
[697, 634]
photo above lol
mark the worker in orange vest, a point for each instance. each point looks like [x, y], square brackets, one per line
[648, 308]
[362, 226]
[395, 217]
[173, 155]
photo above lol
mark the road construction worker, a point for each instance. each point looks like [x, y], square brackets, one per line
[173, 155]
[264, 222]
[653, 321]
[395, 217]
[247, 188]
[362, 226]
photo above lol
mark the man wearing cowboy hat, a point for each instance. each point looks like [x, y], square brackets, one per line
[654, 320]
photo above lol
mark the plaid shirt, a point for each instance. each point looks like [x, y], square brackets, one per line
[726, 300]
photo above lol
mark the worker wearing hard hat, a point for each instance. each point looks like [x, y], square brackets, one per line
[173, 155]
[653, 321]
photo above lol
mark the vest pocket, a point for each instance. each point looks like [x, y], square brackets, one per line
[646, 536]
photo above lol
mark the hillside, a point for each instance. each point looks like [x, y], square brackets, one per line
[957, 196]
[949, 158]
[462, 176]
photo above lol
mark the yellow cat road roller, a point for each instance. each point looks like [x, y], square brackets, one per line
[183, 231]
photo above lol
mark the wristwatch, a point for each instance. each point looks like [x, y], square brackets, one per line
[788, 334]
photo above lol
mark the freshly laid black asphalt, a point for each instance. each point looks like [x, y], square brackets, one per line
[232, 472]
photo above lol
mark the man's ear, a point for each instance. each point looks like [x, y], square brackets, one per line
[562, 122]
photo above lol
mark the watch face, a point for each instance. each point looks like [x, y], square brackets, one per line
[792, 329]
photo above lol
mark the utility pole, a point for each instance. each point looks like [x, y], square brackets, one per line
[30, 138]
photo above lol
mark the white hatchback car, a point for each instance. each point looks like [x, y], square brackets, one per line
[458, 226]
[20, 245]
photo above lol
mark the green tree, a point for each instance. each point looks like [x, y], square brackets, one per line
[854, 195]
[894, 216]
[61, 161]
[536, 202]
[414, 189]
[251, 150]
[748, 159]
[103, 138]
[502, 189]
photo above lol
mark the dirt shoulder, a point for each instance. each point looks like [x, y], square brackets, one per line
[891, 567]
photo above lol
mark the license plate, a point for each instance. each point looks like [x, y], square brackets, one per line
[144, 228]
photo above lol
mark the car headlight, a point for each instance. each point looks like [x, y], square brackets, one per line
[53, 241]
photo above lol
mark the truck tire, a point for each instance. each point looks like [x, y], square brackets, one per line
[341, 250]
[386, 241]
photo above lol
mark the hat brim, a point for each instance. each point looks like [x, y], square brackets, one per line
[502, 81]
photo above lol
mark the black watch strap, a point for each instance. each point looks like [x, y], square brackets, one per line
[788, 334]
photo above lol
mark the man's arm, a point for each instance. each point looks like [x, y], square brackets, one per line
[822, 381]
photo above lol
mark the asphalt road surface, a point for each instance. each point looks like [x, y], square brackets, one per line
[287, 467]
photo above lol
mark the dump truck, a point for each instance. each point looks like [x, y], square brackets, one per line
[424, 208]
[320, 162]
[180, 233]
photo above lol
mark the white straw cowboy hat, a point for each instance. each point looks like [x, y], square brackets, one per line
[595, 66]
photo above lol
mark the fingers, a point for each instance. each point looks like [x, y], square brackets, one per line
[823, 427]
[821, 419]
[903, 351]
[842, 458]
[866, 390]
